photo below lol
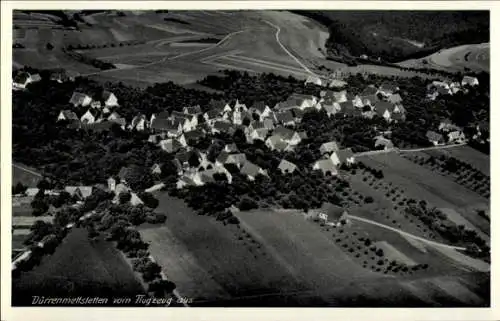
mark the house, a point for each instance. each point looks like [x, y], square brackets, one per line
[81, 192]
[297, 101]
[470, 81]
[368, 100]
[398, 117]
[298, 113]
[21, 80]
[435, 138]
[178, 166]
[286, 167]
[185, 157]
[80, 99]
[237, 159]
[231, 148]
[383, 143]
[100, 126]
[399, 109]
[114, 115]
[184, 181]
[161, 125]
[383, 109]
[189, 122]
[109, 99]
[240, 107]
[370, 90]
[211, 115]
[313, 80]
[257, 134]
[221, 127]
[170, 145]
[227, 108]
[331, 214]
[268, 123]
[138, 123]
[261, 109]
[339, 96]
[330, 107]
[191, 138]
[395, 99]
[285, 118]
[87, 118]
[337, 83]
[31, 191]
[456, 136]
[60, 75]
[111, 184]
[329, 147]
[326, 166]
[387, 89]
[135, 200]
[120, 188]
[446, 125]
[67, 115]
[251, 170]
[343, 157]
[192, 110]
[275, 142]
[289, 136]
[455, 87]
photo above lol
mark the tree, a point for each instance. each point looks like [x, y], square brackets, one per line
[148, 199]
[44, 184]
[124, 197]
[151, 271]
[368, 199]
[247, 204]
[49, 46]
[160, 287]
[40, 206]
[19, 188]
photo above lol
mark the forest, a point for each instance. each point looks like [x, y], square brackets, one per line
[399, 35]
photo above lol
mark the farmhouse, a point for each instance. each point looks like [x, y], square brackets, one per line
[331, 214]
[251, 170]
[314, 80]
[470, 81]
[81, 192]
[327, 148]
[286, 167]
[170, 145]
[342, 157]
[67, 115]
[87, 118]
[326, 166]
[139, 123]
[285, 118]
[456, 136]
[80, 99]
[384, 143]
[435, 138]
[109, 99]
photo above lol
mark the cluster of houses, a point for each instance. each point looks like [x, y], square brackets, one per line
[23, 78]
[444, 88]
[332, 157]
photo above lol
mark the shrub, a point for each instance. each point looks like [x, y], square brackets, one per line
[247, 204]
[368, 199]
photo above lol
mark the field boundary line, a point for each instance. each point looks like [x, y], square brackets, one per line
[278, 30]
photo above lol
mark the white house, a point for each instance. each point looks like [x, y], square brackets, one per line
[87, 118]
[470, 81]
[343, 156]
[109, 99]
[313, 80]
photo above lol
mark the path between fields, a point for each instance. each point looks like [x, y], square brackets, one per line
[169, 58]
[27, 170]
[278, 30]
[405, 233]
[397, 150]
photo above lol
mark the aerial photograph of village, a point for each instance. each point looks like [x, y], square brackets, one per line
[250, 158]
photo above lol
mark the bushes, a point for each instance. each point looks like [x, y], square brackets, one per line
[247, 204]
[148, 199]
[368, 200]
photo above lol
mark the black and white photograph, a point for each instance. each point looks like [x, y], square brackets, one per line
[256, 158]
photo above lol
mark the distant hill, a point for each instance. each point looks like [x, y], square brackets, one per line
[400, 35]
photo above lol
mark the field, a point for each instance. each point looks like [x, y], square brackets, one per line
[423, 184]
[78, 267]
[25, 175]
[466, 154]
[473, 57]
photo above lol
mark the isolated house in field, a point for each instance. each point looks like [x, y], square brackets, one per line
[326, 166]
[170, 145]
[251, 170]
[88, 118]
[343, 157]
[139, 123]
[314, 80]
[435, 138]
[329, 147]
[383, 143]
[109, 99]
[80, 99]
[286, 167]
[331, 214]
[456, 136]
[67, 115]
[470, 81]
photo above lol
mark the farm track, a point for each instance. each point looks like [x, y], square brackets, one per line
[27, 170]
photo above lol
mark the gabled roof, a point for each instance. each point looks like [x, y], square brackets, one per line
[184, 156]
[231, 148]
[283, 132]
[222, 158]
[329, 147]
[163, 114]
[298, 113]
[346, 106]
[285, 117]
[287, 104]
[344, 154]
[259, 106]
[286, 166]
[69, 115]
[371, 98]
[212, 113]
[388, 87]
[326, 165]
[395, 98]
[163, 124]
[22, 77]
[77, 98]
[302, 134]
[384, 142]
[337, 83]
[192, 110]
[301, 97]
[239, 158]
[106, 95]
[382, 106]
[194, 134]
[170, 145]
[222, 126]
[268, 123]
[179, 114]
[257, 124]
[369, 91]
[250, 169]
[99, 127]
[261, 132]
[137, 119]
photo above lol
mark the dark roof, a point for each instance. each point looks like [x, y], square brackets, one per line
[185, 155]
[258, 105]
[285, 117]
[119, 121]
[298, 113]
[369, 91]
[329, 147]
[171, 145]
[344, 154]
[163, 125]
[388, 87]
[193, 110]
[77, 98]
[257, 124]
[213, 113]
[217, 104]
[69, 115]
[372, 98]
[106, 94]
[99, 127]
[250, 169]
[395, 98]
[333, 212]
[21, 77]
[222, 126]
[433, 136]
[194, 134]
[163, 114]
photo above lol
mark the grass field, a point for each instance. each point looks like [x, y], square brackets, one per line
[78, 267]
[466, 154]
[423, 184]
[475, 57]
[25, 175]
